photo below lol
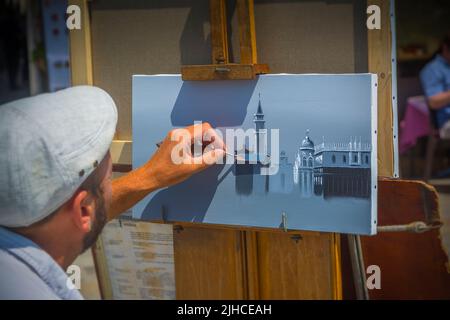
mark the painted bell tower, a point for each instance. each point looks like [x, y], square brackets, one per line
[261, 132]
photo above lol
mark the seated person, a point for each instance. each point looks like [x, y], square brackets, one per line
[435, 78]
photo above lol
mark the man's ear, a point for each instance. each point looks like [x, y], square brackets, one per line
[83, 210]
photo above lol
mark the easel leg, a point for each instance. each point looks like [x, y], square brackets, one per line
[358, 270]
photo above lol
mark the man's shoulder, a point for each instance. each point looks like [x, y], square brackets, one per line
[432, 69]
[433, 64]
[437, 64]
[18, 281]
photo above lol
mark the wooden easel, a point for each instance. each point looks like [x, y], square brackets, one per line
[248, 68]
[251, 261]
[221, 67]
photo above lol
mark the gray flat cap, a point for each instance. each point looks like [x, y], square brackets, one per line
[49, 144]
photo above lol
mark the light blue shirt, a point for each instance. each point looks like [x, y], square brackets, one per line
[28, 272]
[435, 78]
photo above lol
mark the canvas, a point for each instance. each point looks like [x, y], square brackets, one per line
[308, 160]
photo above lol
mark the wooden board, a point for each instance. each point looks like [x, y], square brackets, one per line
[80, 48]
[209, 264]
[284, 260]
[379, 50]
[219, 37]
[223, 71]
[247, 33]
[413, 266]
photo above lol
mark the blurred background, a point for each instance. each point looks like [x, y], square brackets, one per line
[34, 48]
[421, 26]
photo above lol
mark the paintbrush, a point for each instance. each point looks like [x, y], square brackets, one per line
[158, 144]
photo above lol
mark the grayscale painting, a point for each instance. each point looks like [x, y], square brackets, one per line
[308, 161]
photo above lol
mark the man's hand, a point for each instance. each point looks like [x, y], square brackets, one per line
[174, 161]
[171, 164]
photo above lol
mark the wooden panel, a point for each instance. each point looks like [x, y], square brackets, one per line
[336, 269]
[252, 274]
[413, 266]
[379, 45]
[218, 21]
[80, 47]
[223, 71]
[121, 152]
[209, 264]
[295, 270]
[247, 37]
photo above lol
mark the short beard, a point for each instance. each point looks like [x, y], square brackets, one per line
[97, 226]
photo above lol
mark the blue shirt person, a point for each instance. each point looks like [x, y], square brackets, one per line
[435, 79]
[56, 192]
[28, 272]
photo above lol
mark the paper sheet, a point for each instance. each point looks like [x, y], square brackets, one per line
[140, 259]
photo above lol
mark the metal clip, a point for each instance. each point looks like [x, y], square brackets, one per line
[222, 69]
[296, 237]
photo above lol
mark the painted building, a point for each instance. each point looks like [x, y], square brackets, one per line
[353, 154]
[326, 170]
[303, 169]
[282, 182]
[333, 169]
